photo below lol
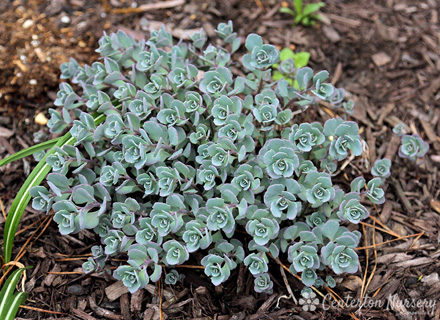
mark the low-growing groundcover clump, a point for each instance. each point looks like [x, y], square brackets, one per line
[198, 150]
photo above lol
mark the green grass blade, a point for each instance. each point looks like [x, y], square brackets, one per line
[298, 5]
[312, 7]
[8, 301]
[17, 300]
[23, 197]
[28, 151]
[287, 10]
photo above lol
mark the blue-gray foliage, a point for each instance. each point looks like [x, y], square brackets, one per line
[413, 147]
[193, 154]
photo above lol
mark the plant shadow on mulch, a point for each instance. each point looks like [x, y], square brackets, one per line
[386, 54]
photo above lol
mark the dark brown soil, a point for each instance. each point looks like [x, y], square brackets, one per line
[386, 54]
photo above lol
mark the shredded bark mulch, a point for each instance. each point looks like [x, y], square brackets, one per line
[386, 54]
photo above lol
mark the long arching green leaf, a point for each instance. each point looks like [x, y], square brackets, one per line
[10, 302]
[28, 151]
[17, 300]
[23, 197]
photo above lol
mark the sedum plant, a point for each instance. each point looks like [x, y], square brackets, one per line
[412, 147]
[171, 150]
[381, 168]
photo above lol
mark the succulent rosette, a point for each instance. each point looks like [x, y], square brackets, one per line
[261, 226]
[196, 236]
[216, 82]
[374, 191]
[247, 179]
[381, 168]
[220, 216]
[351, 208]
[413, 147]
[282, 203]
[263, 283]
[261, 55]
[340, 258]
[217, 268]
[172, 277]
[176, 253]
[303, 257]
[306, 136]
[317, 189]
[133, 279]
[256, 263]
[344, 137]
[278, 158]
[163, 218]
[224, 107]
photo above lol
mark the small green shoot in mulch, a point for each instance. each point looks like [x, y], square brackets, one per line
[305, 15]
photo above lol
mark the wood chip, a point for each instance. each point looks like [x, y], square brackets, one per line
[6, 133]
[161, 5]
[51, 277]
[268, 303]
[343, 20]
[393, 258]
[414, 262]
[210, 30]
[82, 303]
[435, 158]
[337, 74]
[401, 194]
[331, 34]
[431, 90]
[101, 311]
[152, 290]
[384, 112]
[380, 59]
[153, 313]
[386, 32]
[173, 300]
[20, 64]
[352, 283]
[371, 141]
[431, 279]
[40, 54]
[414, 223]
[115, 291]
[178, 306]
[435, 205]
[125, 307]
[398, 306]
[136, 301]
[429, 130]
[393, 146]
[4, 143]
[82, 315]
[386, 211]
[27, 24]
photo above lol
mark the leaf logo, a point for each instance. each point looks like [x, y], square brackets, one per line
[309, 301]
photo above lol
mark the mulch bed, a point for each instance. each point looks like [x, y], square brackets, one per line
[386, 54]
